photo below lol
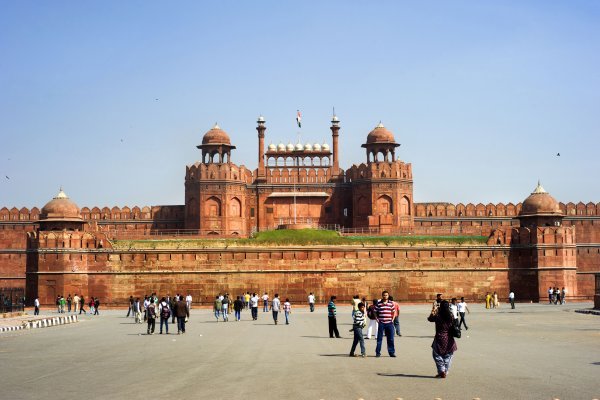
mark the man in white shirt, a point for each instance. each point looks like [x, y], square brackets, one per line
[311, 302]
[36, 304]
[462, 308]
[275, 306]
[188, 301]
[265, 299]
[511, 298]
[454, 311]
[254, 306]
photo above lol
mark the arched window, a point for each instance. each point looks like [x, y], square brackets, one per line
[235, 207]
[404, 206]
[213, 207]
[384, 205]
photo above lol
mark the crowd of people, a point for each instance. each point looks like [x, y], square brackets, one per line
[71, 304]
[176, 308]
[556, 295]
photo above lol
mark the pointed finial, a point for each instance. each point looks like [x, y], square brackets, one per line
[380, 125]
[61, 194]
[216, 126]
[539, 189]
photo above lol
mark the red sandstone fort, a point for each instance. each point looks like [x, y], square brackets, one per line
[530, 246]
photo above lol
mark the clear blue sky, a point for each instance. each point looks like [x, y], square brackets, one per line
[110, 98]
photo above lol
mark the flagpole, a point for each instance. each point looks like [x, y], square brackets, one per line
[298, 121]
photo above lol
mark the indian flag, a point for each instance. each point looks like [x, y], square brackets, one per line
[299, 119]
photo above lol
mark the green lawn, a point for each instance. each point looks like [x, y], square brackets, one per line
[298, 237]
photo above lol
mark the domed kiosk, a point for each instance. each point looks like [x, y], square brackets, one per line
[60, 213]
[381, 140]
[216, 142]
[540, 209]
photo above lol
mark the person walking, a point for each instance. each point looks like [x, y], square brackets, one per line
[69, 302]
[225, 308]
[92, 306]
[76, 301]
[397, 317]
[357, 327]
[183, 313]
[511, 299]
[563, 296]
[488, 300]
[287, 309]
[63, 304]
[247, 300]
[165, 313]
[188, 301]
[238, 306]
[275, 307]
[130, 310]
[311, 302]
[137, 311]
[385, 318]
[550, 294]
[265, 299]
[96, 306]
[462, 308]
[172, 304]
[495, 299]
[354, 304]
[254, 306]
[454, 311]
[373, 325]
[82, 308]
[331, 315]
[36, 306]
[443, 346]
[217, 307]
[151, 317]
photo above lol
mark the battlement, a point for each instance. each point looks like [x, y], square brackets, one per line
[198, 172]
[546, 235]
[67, 240]
[379, 170]
[496, 210]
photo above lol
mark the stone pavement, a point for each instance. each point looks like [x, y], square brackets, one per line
[537, 351]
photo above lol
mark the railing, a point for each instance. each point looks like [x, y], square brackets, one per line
[12, 299]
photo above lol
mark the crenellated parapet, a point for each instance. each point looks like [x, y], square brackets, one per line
[441, 209]
[381, 170]
[66, 240]
[199, 172]
[527, 236]
[151, 213]
[15, 214]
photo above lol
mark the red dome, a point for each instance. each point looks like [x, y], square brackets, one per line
[540, 203]
[60, 208]
[216, 136]
[380, 135]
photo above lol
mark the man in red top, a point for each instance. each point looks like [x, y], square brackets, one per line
[386, 313]
[397, 317]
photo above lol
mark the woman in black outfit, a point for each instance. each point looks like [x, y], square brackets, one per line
[443, 344]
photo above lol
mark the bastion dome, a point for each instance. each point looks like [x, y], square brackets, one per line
[60, 208]
[380, 135]
[216, 136]
[540, 203]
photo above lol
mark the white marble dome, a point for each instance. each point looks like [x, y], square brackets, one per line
[308, 147]
[317, 147]
[272, 147]
[290, 147]
[298, 147]
[325, 147]
[281, 147]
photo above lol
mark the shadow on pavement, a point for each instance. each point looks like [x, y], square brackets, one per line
[335, 355]
[407, 375]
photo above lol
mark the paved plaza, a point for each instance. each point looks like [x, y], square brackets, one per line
[537, 351]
